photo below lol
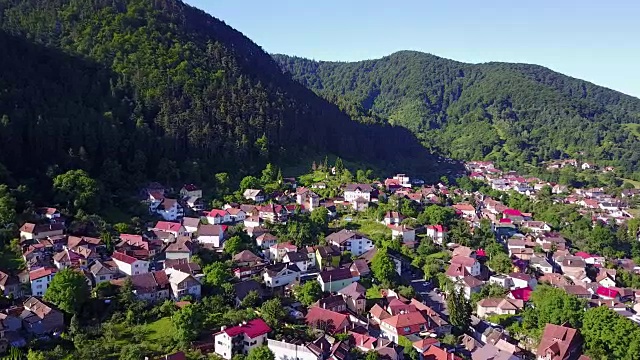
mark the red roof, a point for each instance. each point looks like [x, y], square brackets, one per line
[252, 329]
[41, 272]
[123, 257]
[512, 212]
[607, 292]
[436, 353]
[132, 239]
[481, 252]
[505, 221]
[217, 213]
[168, 226]
[522, 293]
[334, 320]
[583, 255]
[438, 228]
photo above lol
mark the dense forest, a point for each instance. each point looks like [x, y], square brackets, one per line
[513, 113]
[132, 89]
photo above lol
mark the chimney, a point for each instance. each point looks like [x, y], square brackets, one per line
[223, 328]
[244, 323]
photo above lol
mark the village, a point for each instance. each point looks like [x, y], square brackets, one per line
[367, 269]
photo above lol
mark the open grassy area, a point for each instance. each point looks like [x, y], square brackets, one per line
[365, 225]
[632, 182]
[159, 330]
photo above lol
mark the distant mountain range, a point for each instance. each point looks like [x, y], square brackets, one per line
[132, 90]
[515, 114]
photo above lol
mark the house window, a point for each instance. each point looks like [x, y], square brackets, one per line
[102, 277]
[406, 330]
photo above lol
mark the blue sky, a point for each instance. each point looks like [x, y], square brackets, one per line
[598, 41]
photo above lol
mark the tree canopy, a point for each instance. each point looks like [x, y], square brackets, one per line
[68, 290]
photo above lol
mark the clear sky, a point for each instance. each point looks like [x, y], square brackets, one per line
[595, 40]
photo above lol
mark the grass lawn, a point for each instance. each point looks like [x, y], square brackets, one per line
[632, 182]
[159, 330]
[366, 226]
[633, 128]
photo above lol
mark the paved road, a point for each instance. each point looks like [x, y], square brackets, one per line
[429, 296]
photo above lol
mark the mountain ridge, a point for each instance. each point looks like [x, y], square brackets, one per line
[198, 94]
[515, 114]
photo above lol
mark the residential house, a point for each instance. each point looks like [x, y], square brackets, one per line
[502, 280]
[129, 265]
[438, 353]
[332, 302]
[241, 339]
[246, 258]
[272, 213]
[352, 241]
[392, 217]
[330, 321]
[541, 264]
[278, 251]
[559, 343]
[190, 225]
[280, 274]
[335, 280]
[354, 296]
[471, 265]
[183, 248]
[327, 256]
[406, 233]
[183, 284]
[608, 293]
[466, 210]
[577, 291]
[243, 288]
[251, 222]
[283, 350]
[536, 226]
[403, 324]
[49, 213]
[254, 195]
[40, 318]
[217, 217]
[101, 272]
[266, 240]
[31, 231]
[360, 268]
[437, 233]
[190, 190]
[174, 228]
[464, 251]
[308, 199]
[498, 306]
[10, 285]
[521, 280]
[211, 234]
[237, 215]
[354, 192]
[300, 259]
[469, 285]
[40, 279]
[151, 286]
[168, 209]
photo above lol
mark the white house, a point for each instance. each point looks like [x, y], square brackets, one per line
[241, 339]
[169, 209]
[254, 194]
[40, 279]
[541, 264]
[403, 179]
[352, 241]
[438, 233]
[301, 260]
[522, 280]
[183, 284]
[266, 240]
[236, 215]
[211, 234]
[471, 265]
[278, 251]
[280, 274]
[217, 216]
[406, 233]
[355, 191]
[130, 265]
[190, 225]
[307, 198]
[190, 190]
[288, 351]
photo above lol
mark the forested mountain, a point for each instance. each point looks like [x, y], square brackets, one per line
[512, 113]
[138, 89]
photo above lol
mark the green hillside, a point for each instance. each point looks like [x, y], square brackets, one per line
[131, 90]
[512, 113]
